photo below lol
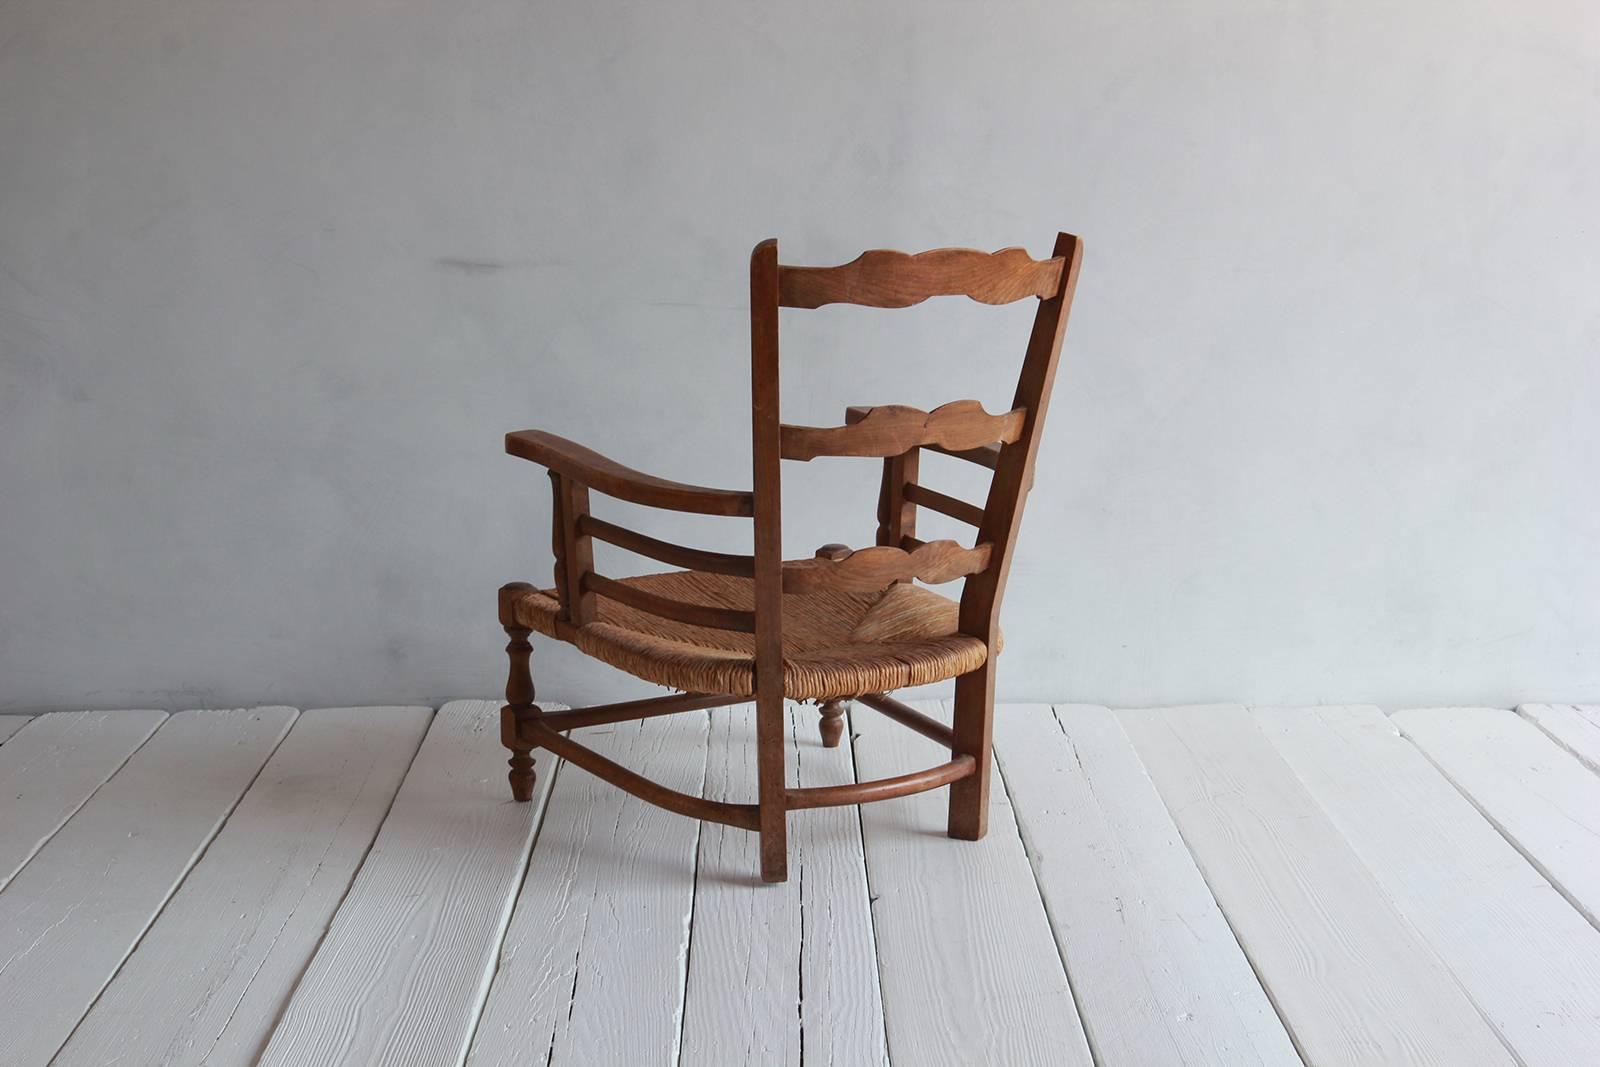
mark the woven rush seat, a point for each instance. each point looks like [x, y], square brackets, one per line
[835, 644]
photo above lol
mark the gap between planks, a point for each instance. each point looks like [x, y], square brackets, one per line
[143, 831]
[969, 968]
[210, 979]
[805, 989]
[1352, 980]
[1155, 968]
[424, 919]
[1535, 792]
[54, 767]
[1527, 959]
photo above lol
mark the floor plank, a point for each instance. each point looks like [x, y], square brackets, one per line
[72, 915]
[1575, 727]
[215, 971]
[592, 966]
[1542, 799]
[969, 970]
[1157, 973]
[1352, 980]
[782, 974]
[10, 724]
[50, 769]
[1525, 957]
[400, 976]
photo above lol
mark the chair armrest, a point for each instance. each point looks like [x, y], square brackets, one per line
[590, 468]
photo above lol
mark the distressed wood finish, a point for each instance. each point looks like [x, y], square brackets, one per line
[888, 279]
[210, 978]
[400, 977]
[970, 974]
[1527, 959]
[787, 976]
[591, 970]
[1352, 980]
[893, 429]
[868, 569]
[1544, 801]
[1575, 727]
[1158, 976]
[72, 915]
[1007, 443]
[48, 772]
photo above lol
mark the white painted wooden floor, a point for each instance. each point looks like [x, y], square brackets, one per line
[1210, 885]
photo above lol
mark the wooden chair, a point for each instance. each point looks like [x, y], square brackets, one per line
[843, 625]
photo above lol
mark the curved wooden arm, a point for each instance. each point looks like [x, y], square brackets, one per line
[590, 468]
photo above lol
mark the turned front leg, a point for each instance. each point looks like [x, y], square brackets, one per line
[519, 705]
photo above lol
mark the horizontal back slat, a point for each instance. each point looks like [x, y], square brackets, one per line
[892, 430]
[887, 279]
[871, 569]
[679, 610]
[922, 496]
[694, 559]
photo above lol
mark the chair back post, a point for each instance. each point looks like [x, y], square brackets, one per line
[766, 449]
[574, 551]
[1002, 512]
[897, 516]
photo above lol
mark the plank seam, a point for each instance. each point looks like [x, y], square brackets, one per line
[183, 875]
[1389, 898]
[694, 903]
[866, 878]
[1560, 742]
[305, 966]
[1503, 832]
[800, 895]
[5, 881]
[1030, 852]
[497, 957]
[1200, 866]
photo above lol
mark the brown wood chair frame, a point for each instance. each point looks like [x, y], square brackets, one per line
[1007, 444]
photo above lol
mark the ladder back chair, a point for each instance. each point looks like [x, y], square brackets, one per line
[844, 625]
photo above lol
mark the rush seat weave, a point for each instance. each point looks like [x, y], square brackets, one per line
[835, 644]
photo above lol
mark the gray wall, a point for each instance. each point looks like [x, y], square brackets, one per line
[275, 277]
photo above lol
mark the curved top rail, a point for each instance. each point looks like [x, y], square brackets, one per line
[590, 468]
[888, 279]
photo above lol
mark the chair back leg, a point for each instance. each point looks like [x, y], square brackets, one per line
[973, 726]
[771, 736]
[832, 724]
